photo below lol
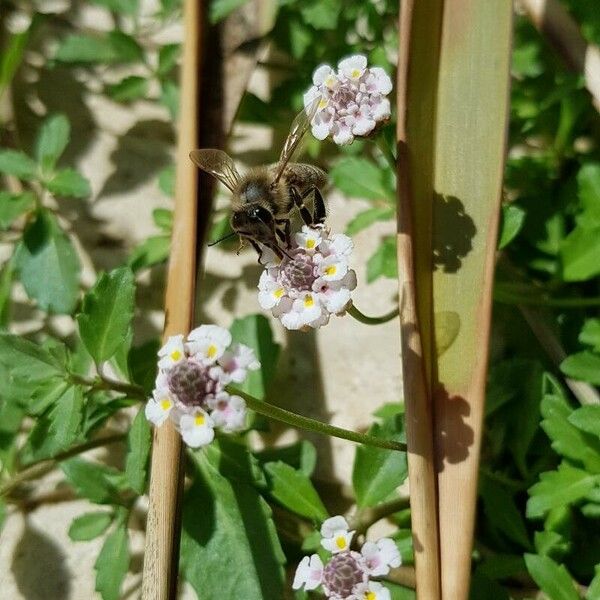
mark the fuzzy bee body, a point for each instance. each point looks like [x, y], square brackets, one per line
[265, 199]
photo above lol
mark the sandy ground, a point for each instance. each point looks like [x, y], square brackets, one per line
[339, 374]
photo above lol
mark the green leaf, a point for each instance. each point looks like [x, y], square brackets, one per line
[51, 141]
[558, 488]
[124, 7]
[590, 334]
[89, 526]
[142, 364]
[167, 58]
[11, 57]
[513, 218]
[163, 218]
[112, 564]
[377, 473]
[384, 263]
[362, 178]
[553, 579]
[321, 14]
[116, 47]
[65, 419]
[25, 360]
[593, 591]
[169, 97]
[152, 251]
[399, 592]
[98, 483]
[485, 588]
[69, 183]
[13, 162]
[586, 418]
[301, 456]
[219, 9]
[255, 331]
[368, 217]
[106, 313]
[588, 187]
[48, 265]
[13, 206]
[138, 451]
[579, 253]
[234, 522]
[166, 181]
[6, 281]
[584, 366]
[46, 394]
[502, 513]
[129, 89]
[294, 490]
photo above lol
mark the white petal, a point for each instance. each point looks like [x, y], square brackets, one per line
[321, 73]
[321, 130]
[197, 429]
[172, 352]
[363, 125]
[207, 343]
[382, 80]
[332, 268]
[333, 524]
[349, 280]
[341, 244]
[158, 412]
[342, 136]
[353, 66]
[389, 552]
[340, 542]
[309, 573]
[310, 95]
[381, 109]
[229, 413]
[381, 592]
[336, 301]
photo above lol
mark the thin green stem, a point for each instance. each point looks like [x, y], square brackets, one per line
[385, 150]
[366, 517]
[301, 422]
[359, 316]
[40, 468]
[106, 383]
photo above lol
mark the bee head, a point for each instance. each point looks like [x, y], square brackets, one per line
[254, 221]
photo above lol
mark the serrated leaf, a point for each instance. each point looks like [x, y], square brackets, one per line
[255, 331]
[25, 360]
[586, 418]
[112, 564]
[152, 251]
[65, 419]
[294, 490]
[553, 579]
[106, 313]
[138, 451]
[368, 217]
[168, 56]
[377, 473]
[48, 265]
[559, 488]
[12, 206]
[384, 262]
[13, 162]
[89, 526]
[129, 89]
[52, 140]
[219, 9]
[69, 183]
[583, 365]
[98, 483]
[513, 218]
[362, 178]
[234, 522]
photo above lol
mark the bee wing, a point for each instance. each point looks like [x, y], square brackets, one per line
[299, 127]
[219, 164]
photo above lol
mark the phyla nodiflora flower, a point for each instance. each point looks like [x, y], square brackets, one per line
[346, 575]
[353, 99]
[312, 282]
[191, 380]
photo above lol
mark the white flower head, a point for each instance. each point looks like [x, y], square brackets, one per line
[336, 537]
[312, 282]
[380, 556]
[197, 429]
[190, 384]
[172, 352]
[352, 100]
[207, 343]
[309, 573]
[372, 590]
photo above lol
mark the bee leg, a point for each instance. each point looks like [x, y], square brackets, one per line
[304, 212]
[257, 248]
[286, 235]
[319, 212]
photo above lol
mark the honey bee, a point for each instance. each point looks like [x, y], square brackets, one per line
[263, 200]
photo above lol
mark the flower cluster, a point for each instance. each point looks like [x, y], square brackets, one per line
[191, 380]
[353, 100]
[346, 576]
[312, 282]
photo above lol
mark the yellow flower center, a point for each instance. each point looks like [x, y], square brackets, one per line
[370, 596]
[308, 301]
[323, 103]
[278, 292]
[199, 420]
[340, 542]
[176, 354]
[330, 80]
[310, 243]
[165, 404]
[211, 351]
[355, 73]
[330, 270]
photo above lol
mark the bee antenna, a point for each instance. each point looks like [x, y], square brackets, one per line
[225, 237]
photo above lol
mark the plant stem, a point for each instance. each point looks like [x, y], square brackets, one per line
[506, 297]
[106, 383]
[40, 468]
[385, 150]
[301, 422]
[366, 517]
[359, 316]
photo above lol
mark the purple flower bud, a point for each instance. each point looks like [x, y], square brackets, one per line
[342, 573]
